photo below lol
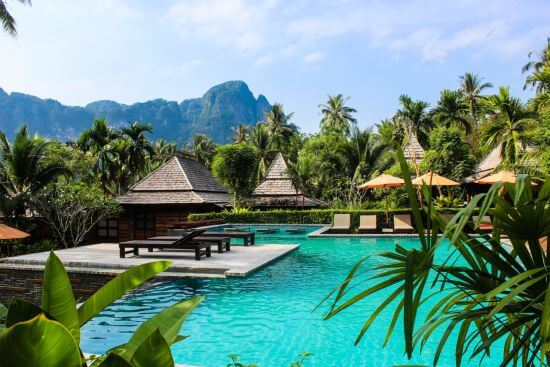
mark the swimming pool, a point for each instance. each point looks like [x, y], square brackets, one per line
[267, 317]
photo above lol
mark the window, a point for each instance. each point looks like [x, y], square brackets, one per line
[145, 220]
[107, 228]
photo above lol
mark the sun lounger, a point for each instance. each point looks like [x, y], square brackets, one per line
[247, 237]
[295, 230]
[367, 223]
[402, 223]
[223, 243]
[186, 242]
[267, 230]
[342, 223]
[485, 224]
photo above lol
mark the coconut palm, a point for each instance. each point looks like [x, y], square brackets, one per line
[452, 110]
[7, 20]
[336, 115]
[203, 149]
[413, 117]
[139, 147]
[534, 66]
[24, 170]
[240, 134]
[280, 130]
[364, 154]
[508, 121]
[120, 167]
[164, 150]
[472, 86]
[98, 139]
[260, 140]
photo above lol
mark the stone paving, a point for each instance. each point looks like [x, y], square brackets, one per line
[104, 258]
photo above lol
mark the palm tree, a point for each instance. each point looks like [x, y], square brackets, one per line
[98, 139]
[508, 122]
[336, 115]
[390, 132]
[260, 140]
[7, 20]
[538, 65]
[139, 147]
[472, 86]
[203, 149]
[364, 154]
[240, 134]
[451, 110]
[280, 130]
[414, 119]
[120, 166]
[24, 170]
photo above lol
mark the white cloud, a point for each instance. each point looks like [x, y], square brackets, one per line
[264, 60]
[314, 57]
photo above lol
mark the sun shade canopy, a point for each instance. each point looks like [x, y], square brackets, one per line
[383, 180]
[10, 233]
[433, 179]
[502, 176]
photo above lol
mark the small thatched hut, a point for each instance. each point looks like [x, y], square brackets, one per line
[165, 197]
[278, 191]
[413, 150]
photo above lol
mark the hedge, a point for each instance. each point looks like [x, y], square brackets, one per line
[314, 216]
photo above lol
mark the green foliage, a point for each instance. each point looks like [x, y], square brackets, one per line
[449, 154]
[203, 149]
[74, 209]
[337, 117]
[50, 335]
[24, 170]
[235, 167]
[487, 293]
[452, 110]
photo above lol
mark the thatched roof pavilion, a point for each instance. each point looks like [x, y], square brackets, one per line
[278, 191]
[181, 180]
[164, 199]
[413, 150]
[487, 166]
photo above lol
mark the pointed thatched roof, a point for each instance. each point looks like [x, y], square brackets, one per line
[487, 166]
[413, 150]
[181, 180]
[278, 190]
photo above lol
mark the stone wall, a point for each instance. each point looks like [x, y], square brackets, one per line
[27, 284]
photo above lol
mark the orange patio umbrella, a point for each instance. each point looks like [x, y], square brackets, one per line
[384, 181]
[10, 233]
[502, 176]
[433, 179]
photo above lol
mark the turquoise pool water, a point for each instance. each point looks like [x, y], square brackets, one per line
[267, 317]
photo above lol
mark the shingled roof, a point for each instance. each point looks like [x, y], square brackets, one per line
[413, 150]
[487, 166]
[181, 180]
[278, 190]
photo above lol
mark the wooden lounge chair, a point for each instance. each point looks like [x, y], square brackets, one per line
[247, 237]
[295, 230]
[402, 223]
[485, 224]
[186, 242]
[367, 223]
[267, 230]
[223, 243]
[342, 223]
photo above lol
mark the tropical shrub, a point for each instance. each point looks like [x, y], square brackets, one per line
[235, 166]
[488, 294]
[74, 209]
[49, 334]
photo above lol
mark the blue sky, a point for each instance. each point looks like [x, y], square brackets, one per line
[294, 52]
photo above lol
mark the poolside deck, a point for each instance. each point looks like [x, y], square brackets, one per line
[104, 258]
